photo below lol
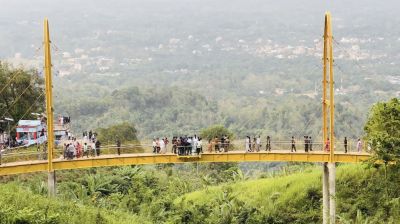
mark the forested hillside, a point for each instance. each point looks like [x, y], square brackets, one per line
[179, 111]
[254, 67]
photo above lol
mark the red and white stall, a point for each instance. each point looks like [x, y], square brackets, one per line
[31, 132]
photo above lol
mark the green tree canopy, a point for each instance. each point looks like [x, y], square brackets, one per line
[215, 130]
[383, 130]
[124, 132]
[21, 92]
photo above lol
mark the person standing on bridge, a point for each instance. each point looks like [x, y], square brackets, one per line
[327, 145]
[162, 146]
[310, 143]
[268, 144]
[199, 148]
[247, 144]
[293, 145]
[359, 145]
[166, 141]
[85, 150]
[78, 150]
[258, 143]
[71, 151]
[194, 144]
[253, 148]
[306, 143]
[216, 144]
[65, 150]
[210, 146]
[118, 143]
[345, 144]
[154, 144]
[93, 152]
[97, 146]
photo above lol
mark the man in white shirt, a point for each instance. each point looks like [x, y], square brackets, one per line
[199, 146]
[258, 143]
[162, 147]
[194, 145]
[189, 141]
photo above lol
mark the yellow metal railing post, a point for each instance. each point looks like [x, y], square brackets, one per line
[49, 108]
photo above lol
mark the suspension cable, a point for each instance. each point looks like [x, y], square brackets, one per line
[16, 100]
[9, 82]
[27, 111]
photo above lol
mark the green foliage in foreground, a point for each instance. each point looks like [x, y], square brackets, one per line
[293, 199]
[21, 92]
[19, 205]
[218, 193]
[383, 130]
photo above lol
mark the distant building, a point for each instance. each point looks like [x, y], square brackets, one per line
[60, 131]
[31, 132]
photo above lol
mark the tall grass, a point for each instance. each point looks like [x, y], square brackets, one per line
[19, 205]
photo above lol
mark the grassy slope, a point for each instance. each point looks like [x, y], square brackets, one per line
[260, 192]
[293, 198]
[18, 205]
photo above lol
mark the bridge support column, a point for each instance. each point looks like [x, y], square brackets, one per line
[329, 193]
[325, 193]
[332, 192]
[51, 183]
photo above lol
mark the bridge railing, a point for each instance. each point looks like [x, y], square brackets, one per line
[59, 153]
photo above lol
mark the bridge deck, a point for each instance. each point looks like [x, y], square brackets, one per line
[150, 158]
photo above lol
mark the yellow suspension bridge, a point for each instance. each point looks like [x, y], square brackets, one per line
[328, 158]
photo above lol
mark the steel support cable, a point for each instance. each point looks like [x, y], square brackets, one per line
[9, 82]
[26, 112]
[342, 47]
[16, 100]
[305, 127]
[339, 68]
[345, 50]
[308, 123]
[38, 49]
[310, 120]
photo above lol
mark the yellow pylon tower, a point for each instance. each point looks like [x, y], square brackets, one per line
[49, 108]
[328, 118]
[328, 104]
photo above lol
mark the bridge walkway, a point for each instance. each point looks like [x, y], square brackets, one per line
[150, 158]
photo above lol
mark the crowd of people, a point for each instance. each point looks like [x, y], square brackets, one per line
[89, 136]
[222, 144]
[308, 144]
[189, 145]
[183, 145]
[64, 120]
[254, 144]
[90, 146]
